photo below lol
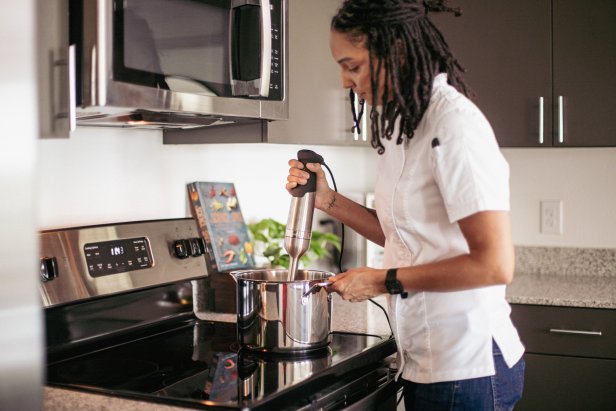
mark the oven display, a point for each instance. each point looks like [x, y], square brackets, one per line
[118, 256]
[116, 250]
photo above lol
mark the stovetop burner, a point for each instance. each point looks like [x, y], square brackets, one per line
[199, 363]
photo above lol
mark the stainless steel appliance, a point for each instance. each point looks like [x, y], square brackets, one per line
[166, 63]
[281, 316]
[120, 320]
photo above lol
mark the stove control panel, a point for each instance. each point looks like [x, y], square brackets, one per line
[118, 256]
[89, 262]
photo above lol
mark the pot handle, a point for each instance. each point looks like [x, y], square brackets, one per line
[235, 274]
[315, 288]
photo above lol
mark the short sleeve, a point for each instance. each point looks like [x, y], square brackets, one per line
[470, 171]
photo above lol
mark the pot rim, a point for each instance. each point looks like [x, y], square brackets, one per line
[240, 275]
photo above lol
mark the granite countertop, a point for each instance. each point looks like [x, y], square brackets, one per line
[58, 399]
[563, 290]
[571, 277]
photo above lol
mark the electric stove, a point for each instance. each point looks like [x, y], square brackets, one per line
[122, 319]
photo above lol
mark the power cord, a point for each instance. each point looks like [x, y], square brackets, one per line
[331, 175]
[401, 397]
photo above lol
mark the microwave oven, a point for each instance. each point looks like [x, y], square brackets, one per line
[172, 64]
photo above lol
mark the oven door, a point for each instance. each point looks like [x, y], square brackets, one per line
[205, 57]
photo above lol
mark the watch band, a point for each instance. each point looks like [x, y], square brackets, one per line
[393, 285]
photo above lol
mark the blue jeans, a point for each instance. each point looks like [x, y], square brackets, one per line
[499, 392]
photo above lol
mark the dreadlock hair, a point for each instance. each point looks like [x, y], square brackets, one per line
[408, 48]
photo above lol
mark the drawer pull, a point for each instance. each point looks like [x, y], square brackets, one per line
[578, 332]
[540, 120]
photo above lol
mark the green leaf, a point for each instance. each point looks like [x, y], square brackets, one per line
[282, 261]
[272, 250]
[327, 238]
[260, 237]
[270, 233]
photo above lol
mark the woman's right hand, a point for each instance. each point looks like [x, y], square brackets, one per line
[299, 176]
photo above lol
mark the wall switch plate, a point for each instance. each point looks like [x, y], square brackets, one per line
[552, 217]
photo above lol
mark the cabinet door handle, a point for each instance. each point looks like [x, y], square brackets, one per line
[540, 120]
[577, 332]
[561, 120]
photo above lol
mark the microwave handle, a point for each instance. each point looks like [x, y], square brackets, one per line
[258, 87]
[63, 90]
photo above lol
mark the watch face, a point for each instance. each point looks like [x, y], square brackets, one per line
[391, 282]
[394, 287]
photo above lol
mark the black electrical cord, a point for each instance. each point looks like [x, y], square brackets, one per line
[342, 250]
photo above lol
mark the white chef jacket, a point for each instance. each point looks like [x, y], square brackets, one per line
[421, 192]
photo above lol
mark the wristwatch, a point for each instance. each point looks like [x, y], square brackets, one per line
[393, 285]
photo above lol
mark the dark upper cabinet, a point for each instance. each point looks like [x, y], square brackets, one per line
[542, 71]
[584, 50]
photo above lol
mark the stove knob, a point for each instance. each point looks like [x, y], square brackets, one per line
[49, 268]
[195, 248]
[180, 249]
[202, 246]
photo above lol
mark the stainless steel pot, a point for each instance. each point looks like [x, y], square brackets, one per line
[281, 316]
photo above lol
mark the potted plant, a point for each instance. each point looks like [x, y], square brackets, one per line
[268, 235]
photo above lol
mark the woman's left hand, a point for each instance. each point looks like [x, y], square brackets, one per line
[359, 284]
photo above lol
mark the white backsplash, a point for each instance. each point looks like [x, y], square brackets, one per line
[582, 178]
[106, 175]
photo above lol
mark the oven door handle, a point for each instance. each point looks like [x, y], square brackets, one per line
[250, 48]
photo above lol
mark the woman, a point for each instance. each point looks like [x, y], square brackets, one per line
[442, 209]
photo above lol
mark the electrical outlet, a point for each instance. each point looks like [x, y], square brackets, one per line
[552, 217]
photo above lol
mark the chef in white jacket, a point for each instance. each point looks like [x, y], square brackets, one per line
[442, 209]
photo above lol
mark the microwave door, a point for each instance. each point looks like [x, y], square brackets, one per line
[250, 49]
[186, 53]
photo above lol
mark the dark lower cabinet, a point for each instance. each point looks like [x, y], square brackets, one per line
[559, 383]
[570, 357]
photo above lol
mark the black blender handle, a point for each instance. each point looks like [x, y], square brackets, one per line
[307, 156]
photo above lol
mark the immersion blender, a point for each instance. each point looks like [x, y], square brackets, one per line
[299, 224]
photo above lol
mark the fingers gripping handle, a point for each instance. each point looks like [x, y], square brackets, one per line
[307, 156]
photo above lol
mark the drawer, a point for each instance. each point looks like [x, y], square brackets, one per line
[553, 382]
[583, 332]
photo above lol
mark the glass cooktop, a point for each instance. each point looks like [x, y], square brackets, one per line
[199, 364]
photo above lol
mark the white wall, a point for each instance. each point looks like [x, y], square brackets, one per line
[583, 178]
[107, 175]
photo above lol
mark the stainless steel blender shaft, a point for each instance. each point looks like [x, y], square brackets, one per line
[299, 229]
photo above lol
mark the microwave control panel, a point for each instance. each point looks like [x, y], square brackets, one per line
[276, 73]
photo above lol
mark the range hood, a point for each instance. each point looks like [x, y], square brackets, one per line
[145, 119]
